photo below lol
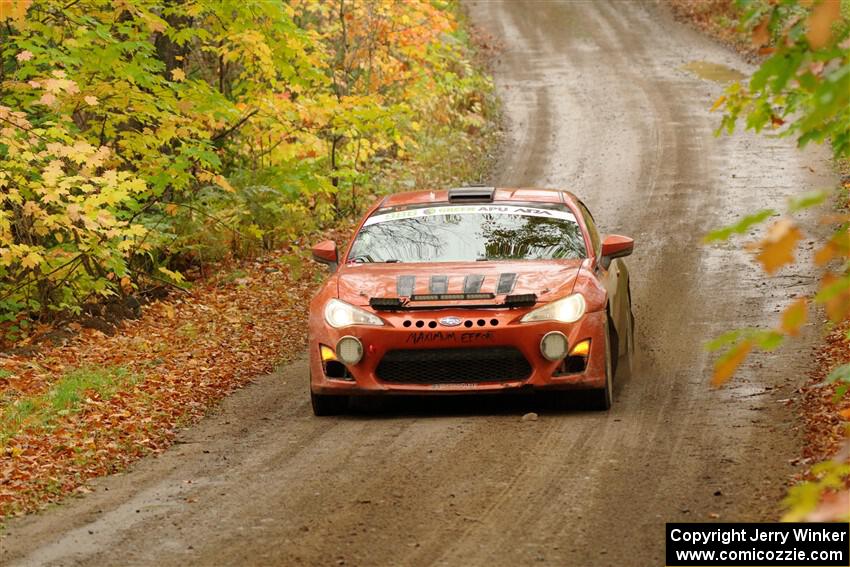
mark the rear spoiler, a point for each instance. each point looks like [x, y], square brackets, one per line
[399, 304]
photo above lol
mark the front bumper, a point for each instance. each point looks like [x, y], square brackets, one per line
[499, 329]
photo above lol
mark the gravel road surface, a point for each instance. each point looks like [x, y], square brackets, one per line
[598, 98]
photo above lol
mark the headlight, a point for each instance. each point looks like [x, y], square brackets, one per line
[567, 310]
[341, 314]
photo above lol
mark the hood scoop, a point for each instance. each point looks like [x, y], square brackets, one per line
[472, 195]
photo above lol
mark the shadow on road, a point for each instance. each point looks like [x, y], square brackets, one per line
[563, 402]
[469, 405]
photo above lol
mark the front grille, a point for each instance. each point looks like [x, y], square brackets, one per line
[453, 366]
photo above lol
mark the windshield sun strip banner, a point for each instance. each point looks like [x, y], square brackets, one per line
[471, 210]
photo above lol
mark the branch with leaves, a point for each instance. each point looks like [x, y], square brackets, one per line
[801, 90]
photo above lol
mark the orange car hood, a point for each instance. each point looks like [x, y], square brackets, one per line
[552, 279]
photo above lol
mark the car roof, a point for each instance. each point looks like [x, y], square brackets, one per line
[502, 194]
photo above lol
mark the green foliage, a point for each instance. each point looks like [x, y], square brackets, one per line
[769, 339]
[64, 397]
[740, 227]
[138, 139]
[803, 88]
[805, 498]
[840, 376]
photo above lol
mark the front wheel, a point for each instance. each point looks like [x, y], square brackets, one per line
[328, 405]
[630, 352]
[601, 398]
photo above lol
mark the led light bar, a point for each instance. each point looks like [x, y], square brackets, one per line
[385, 303]
[397, 304]
[450, 296]
[521, 300]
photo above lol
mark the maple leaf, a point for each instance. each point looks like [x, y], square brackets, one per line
[820, 22]
[794, 317]
[834, 294]
[178, 74]
[777, 248]
[74, 211]
[24, 55]
[32, 209]
[729, 363]
[91, 100]
[761, 35]
[47, 99]
[223, 183]
[31, 260]
[838, 245]
[717, 103]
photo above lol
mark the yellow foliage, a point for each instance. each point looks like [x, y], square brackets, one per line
[725, 367]
[245, 128]
[777, 248]
[794, 317]
[14, 9]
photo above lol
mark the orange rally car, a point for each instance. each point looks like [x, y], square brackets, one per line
[471, 290]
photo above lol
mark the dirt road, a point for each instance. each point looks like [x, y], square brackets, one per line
[597, 99]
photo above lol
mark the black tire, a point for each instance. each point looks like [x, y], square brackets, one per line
[600, 398]
[613, 346]
[324, 405]
[630, 348]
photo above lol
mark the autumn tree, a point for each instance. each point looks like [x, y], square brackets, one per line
[140, 139]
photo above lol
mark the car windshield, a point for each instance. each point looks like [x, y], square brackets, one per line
[468, 233]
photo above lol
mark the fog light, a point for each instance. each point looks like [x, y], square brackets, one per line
[349, 350]
[553, 346]
[581, 349]
[327, 353]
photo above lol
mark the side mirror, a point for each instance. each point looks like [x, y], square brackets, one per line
[615, 246]
[325, 253]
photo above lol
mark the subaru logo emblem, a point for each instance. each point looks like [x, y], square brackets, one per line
[450, 321]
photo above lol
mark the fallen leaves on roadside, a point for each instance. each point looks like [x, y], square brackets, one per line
[825, 417]
[712, 17]
[191, 351]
